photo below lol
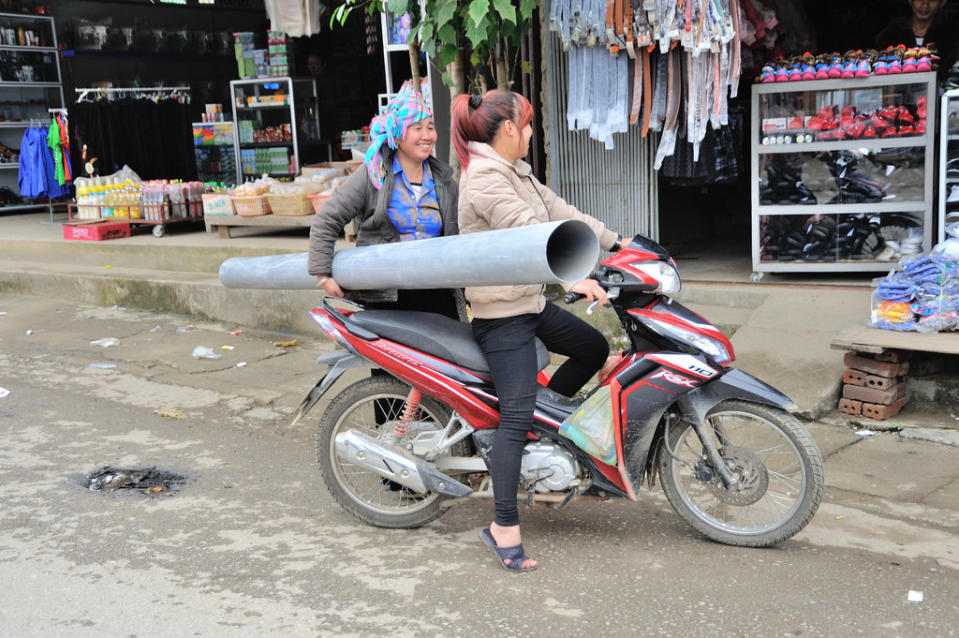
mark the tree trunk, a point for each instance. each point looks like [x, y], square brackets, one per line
[456, 74]
[415, 64]
[502, 71]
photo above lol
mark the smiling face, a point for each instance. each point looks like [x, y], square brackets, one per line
[419, 140]
[925, 9]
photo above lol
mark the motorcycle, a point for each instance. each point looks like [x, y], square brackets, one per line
[732, 460]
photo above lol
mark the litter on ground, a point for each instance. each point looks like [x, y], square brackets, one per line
[106, 342]
[286, 344]
[170, 413]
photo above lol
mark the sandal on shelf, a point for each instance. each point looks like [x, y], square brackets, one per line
[514, 554]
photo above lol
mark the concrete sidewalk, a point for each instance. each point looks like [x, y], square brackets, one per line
[780, 328]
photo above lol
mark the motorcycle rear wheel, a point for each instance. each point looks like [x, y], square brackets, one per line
[779, 465]
[372, 406]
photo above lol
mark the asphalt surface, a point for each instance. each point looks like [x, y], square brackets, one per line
[254, 545]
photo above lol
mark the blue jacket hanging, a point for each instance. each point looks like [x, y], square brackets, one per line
[37, 177]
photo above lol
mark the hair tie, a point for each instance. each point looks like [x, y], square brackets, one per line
[475, 101]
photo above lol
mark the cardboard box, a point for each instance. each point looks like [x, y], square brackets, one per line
[346, 167]
[217, 204]
[97, 231]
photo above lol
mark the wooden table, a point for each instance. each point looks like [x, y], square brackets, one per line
[223, 223]
[868, 339]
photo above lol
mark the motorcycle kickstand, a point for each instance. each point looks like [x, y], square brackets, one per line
[573, 493]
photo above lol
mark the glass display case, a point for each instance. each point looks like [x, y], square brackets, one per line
[949, 161]
[842, 172]
[272, 118]
[214, 145]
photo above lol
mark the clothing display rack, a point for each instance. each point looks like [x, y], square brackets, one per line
[134, 90]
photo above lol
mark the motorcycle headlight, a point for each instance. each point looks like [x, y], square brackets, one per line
[665, 274]
[712, 347]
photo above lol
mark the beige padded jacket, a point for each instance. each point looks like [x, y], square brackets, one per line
[495, 194]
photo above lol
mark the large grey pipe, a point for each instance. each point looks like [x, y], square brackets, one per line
[556, 252]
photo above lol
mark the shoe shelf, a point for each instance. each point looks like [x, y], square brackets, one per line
[842, 172]
[948, 160]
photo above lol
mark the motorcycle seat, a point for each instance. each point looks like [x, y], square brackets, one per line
[435, 335]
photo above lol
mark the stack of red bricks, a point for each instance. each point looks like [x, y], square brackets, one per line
[873, 384]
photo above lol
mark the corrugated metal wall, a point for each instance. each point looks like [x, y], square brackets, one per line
[618, 187]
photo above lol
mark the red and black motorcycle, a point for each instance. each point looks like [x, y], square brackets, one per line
[732, 460]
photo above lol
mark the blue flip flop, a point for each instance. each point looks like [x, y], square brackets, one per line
[514, 554]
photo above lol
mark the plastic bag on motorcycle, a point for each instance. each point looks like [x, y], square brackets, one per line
[591, 426]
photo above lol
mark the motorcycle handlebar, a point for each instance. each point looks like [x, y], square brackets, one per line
[573, 297]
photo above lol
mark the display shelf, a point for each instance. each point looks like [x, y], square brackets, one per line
[254, 7]
[263, 144]
[948, 158]
[148, 55]
[838, 145]
[35, 85]
[43, 95]
[11, 47]
[223, 223]
[259, 107]
[300, 95]
[825, 205]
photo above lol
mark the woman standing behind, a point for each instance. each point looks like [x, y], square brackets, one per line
[491, 136]
[404, 194]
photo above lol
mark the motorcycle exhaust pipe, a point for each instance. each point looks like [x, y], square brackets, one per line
[556, 252]
[392, 464]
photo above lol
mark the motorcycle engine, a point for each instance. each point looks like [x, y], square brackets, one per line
[548, 467]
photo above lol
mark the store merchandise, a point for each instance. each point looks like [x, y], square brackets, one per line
[38, 168]
[852, 64]
[27, 66]
[58, 139]
[922, 294]
[123, 196]
[243, 43]
[664, 66]
[152, 135]
[839, 237]
[272, 160]
[294, 17]
[847, 122]
[280, 55]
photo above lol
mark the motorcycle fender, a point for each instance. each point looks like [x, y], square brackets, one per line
[734, 384]
[338, 362]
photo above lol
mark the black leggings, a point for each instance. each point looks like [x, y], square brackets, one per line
[511, 352]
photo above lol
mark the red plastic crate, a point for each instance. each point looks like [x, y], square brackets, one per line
[96, 232]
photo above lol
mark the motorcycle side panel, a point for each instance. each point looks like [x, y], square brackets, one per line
[734, 384]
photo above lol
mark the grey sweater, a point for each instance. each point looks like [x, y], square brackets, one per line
[358, 199]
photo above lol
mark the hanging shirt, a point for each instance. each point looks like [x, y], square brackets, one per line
[53, 141]
[414, 209]
[65, 147]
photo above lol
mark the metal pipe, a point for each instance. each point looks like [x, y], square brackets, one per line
[555, 252]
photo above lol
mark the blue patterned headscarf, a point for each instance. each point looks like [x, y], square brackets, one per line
[390, 127]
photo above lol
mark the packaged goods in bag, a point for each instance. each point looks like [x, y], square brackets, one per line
[591, 426]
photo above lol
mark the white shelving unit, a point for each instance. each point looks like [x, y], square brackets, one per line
[948, 160]
[391, 51]
[27, 102]
[814, 199]
[260, 112]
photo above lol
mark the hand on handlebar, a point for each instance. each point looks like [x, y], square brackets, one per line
[589, 290]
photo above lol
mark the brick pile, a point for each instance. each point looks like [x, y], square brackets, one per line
[873, 385]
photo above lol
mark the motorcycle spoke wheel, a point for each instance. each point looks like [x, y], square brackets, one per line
[373, 407]
[777, 466]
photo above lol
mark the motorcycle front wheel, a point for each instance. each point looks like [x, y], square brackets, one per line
[372, 407]
[777, 465]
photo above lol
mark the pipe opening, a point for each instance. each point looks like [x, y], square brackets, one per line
[571, 251]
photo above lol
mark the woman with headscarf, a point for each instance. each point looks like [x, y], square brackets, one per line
[403, 194]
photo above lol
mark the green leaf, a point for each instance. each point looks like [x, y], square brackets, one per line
[426, 32]
[526, 8]
[526, 67]
[447, 34]
[445, 55]
[397, 7]
[505, 10]
[475, 58]
[477, 12]
[445, 12]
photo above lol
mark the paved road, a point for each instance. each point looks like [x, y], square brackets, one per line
[253, 545]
